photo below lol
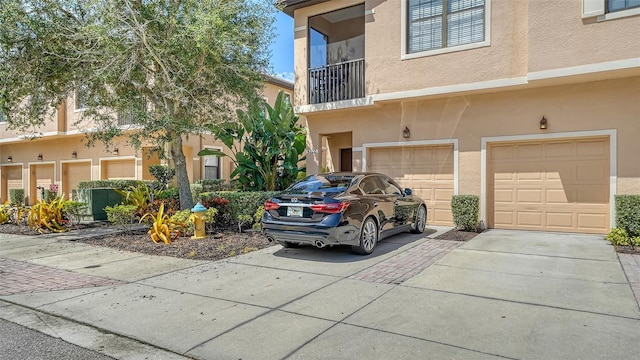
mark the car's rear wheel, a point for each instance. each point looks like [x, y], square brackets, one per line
[420, 221]
[288, 244]
[368, 238]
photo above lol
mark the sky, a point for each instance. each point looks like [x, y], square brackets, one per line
[282, 47]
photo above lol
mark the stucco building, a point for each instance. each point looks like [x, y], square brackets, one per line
[56, 153]
[534, 106]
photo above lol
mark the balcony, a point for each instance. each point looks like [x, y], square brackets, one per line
[336, 55]
[341, 81]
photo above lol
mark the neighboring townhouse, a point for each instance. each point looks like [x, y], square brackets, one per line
[57, 153]
[534, 106]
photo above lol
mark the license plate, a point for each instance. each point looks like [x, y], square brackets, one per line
[294, 211]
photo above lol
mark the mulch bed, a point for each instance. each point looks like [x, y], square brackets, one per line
[457, 235]
[627, 249]
[214, 247]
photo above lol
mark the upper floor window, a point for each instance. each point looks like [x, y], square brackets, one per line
[617, 5]
[81, 98]
[436, 24]
[3, 117]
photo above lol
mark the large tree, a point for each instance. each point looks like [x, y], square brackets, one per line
[173, 66]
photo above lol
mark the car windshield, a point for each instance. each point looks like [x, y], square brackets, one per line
[323, 183]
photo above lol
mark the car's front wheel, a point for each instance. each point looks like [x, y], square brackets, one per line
[420, 221]
[368, 238]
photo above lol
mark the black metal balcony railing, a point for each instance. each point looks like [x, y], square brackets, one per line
[335, 82]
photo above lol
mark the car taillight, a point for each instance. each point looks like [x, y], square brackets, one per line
[270, 205]
[331, 208]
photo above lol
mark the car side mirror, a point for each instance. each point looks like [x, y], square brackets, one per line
[408, 192]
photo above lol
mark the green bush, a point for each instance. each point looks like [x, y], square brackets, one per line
[168, 194]
[240, 203]
[465, 211]
[122, 216]
[196, 190]
[618, 236]
[628, 214]
[113, 184]
[163, 174]
[74, 210]
[212, 185]
[16, 196]
[257, 218]
[181, 222]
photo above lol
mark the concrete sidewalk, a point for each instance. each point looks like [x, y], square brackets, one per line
[504, 294]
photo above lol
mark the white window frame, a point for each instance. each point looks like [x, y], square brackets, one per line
[220, 167]
[405, 55]
[598, 9]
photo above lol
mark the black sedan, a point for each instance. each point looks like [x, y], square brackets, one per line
[356, 209]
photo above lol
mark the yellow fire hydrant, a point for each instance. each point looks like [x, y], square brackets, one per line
[197, 218]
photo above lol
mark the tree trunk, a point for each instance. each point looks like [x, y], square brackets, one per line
[184, 190]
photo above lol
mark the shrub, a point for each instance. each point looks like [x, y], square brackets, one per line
[138, 196]
[170, 193]
[47, 215]
[196, 190]
[465, 211]
[213, 185]
[182, 223]
[162, 228]
[244, 220]
[4, 213]
[628, 213]
[210, 219]
[112, 184]
[163, 174]
[618, 236]
[16, 196]
[121, 215]
[74, 211]
[239, 203]
[257, 218]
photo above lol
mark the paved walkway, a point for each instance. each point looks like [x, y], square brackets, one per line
[631, 265]
[504, 294]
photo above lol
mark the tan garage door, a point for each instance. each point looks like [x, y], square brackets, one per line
[11, 179]
[42, 176]
[118, 169]
[72, 174]
[427, 170]
[560, 185]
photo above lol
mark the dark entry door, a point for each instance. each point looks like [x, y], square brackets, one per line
[345, 160]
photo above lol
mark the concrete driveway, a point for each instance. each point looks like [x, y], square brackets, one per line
[504, 294]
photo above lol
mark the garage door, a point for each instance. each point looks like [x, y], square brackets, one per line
[118, 169]
[558, 185]
[42, 176]
[427, 170]
[72, 174]
[11, 179]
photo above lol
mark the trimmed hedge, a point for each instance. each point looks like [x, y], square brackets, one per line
[213, 185]
[465, 210]
[16, 196]
[112, 184]
[628, 214]
[240, 202]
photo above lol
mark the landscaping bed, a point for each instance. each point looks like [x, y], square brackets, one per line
[457, 235]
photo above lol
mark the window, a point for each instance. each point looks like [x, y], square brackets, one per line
[81, 98]
[617, 5]
[436, 24]
[211, 167]
[3, 117]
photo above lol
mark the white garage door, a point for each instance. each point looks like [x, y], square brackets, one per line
[427, 170]
[560, 185]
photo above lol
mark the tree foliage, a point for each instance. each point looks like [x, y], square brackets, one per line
[266, 145]
[171, 66]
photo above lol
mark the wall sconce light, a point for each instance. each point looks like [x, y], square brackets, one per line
[9, 158]
[115, 152]
[406, 133]
[543, 123]
[39, 156]
[74, 154]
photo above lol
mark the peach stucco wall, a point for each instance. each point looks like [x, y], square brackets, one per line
[525, 36]
[603, 105]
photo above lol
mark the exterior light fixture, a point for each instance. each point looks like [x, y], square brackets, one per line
[406, 133]
[115, 151]
[39, 156]
[543, 123]
[74, 154]
[9, 158]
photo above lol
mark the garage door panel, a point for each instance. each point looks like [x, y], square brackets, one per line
[565, 189]
[427, 170]
[530, 219]
[119, 169]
